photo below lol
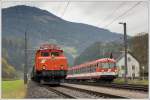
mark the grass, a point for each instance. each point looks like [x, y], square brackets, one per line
[135, 81]
[13, 89]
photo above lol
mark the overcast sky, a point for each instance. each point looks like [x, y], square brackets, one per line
[100, 14]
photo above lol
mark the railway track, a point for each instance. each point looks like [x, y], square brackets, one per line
[74, 91]
[143, 88]
[61, 94]
[97, 94]
[107, 92]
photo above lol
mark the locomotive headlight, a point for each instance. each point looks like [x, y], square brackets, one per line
[61, 66]
[44, 67]
[43, 60]
[115, 70]
[109, 70]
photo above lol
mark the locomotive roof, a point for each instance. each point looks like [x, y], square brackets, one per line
[93, 62]
[50, 50]
[49, 46]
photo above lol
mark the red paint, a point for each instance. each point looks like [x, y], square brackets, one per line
[50, 62]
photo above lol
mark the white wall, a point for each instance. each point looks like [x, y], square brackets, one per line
[130, 63]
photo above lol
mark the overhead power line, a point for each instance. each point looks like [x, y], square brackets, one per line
[114, 11]
[65, 9]
[123, 14]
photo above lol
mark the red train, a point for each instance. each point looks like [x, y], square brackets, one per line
[50, 64]
[102, 69]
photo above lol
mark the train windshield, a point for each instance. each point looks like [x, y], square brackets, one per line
[108, 65]
[55, 53]
[44, 54]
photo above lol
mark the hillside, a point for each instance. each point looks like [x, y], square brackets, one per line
[98, 50]
[139, 48]
[8, 71]
[44, 26]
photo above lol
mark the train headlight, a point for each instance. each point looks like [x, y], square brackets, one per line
[43, 60]
[44, 67]
[109, 70]
[61, 67]
[115, 70]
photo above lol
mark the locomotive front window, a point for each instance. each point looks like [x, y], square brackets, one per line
[44, 54]
[54, 53]
[108, 65]
[111, 65]
[105, 65]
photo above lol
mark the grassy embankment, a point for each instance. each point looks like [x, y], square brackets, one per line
[135, 81]
[13, 89]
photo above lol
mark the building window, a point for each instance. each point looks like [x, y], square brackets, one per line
[133, 67]
[129, 59]
[122, 67]
[133, 75]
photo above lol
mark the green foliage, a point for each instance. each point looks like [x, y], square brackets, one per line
[8, 72]
[96, 51]
[135, 81]
[13, 51]
[13, 89]
[139, 48]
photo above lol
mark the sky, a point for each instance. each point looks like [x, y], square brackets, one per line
[100, 14]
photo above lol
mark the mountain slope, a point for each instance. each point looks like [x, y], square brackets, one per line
[98, 50]
[43, 26]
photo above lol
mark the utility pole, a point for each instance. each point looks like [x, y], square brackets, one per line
[125, 47]
[143, 72]
[25, 65]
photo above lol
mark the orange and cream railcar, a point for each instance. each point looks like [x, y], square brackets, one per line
[50, 64]
[101, 69]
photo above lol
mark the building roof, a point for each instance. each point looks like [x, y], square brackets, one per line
[122, 55]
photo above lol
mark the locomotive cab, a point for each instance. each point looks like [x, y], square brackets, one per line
[50, 64]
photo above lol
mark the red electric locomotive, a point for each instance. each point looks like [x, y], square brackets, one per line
[50, 64]
[99, 70]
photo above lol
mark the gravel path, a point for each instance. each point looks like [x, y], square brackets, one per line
[123, 93]
[34, 90]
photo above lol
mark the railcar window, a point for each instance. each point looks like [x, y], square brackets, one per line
[55, 53]
[84, 70]
[87, 68]
[114, 64]
[44, 54]
[81, 69]
[91, 68]
[108, 65]
[68, 72]
[96, 65]
[99, 65]
[111, 65]
[77, 71]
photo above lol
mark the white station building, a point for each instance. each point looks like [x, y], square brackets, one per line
[133, 69]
